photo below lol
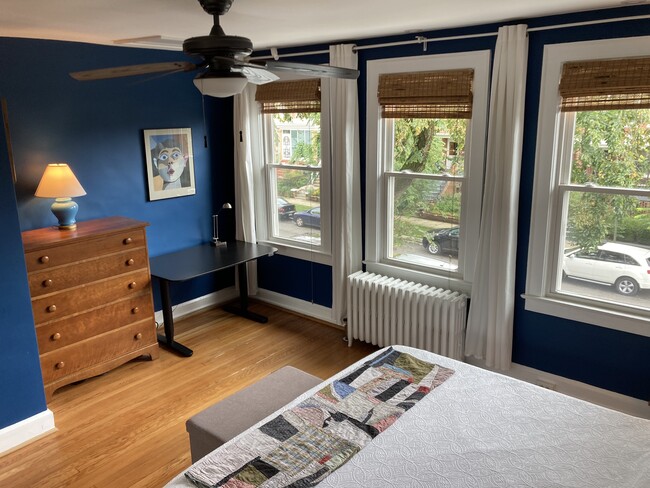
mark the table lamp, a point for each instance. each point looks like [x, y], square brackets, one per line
[215, 226]
[59, 182]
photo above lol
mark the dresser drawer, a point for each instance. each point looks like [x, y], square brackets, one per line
[57, 279]
[75, 328]
[98, 349]
[73, 252]
[93, 295]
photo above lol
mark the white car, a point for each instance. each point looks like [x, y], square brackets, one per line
[625, 266]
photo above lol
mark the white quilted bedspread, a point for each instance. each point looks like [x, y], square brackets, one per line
[480, 429]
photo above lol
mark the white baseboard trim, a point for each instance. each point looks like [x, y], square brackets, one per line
[15, 435]
[576, 389]
[296, 305]
[227, 294]
[191, 306]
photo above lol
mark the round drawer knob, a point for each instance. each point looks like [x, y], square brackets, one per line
[138, 336]
[47, 283]
[130, 262]
[128, 240]
[132, 285]
[44, 259]
[51, 308]
[56, 336]
[59, 365]
[135, 310]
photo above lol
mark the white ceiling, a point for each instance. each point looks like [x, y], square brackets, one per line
[268, 23]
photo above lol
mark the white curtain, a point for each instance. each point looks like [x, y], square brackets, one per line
[346, 189]
[489, 326]
[248, 145]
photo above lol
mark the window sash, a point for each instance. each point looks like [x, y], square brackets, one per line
[267, 216]
[547, 218]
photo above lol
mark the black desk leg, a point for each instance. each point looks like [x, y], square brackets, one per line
[168, 318]
[242, 310]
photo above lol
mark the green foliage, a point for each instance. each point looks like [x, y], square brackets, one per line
[292, 179]
[447, 206]
[610, 149]
[406, 230]
[307, 153]
[635, 230]
[420, 146]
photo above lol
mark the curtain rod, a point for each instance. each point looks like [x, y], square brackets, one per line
[424, 40]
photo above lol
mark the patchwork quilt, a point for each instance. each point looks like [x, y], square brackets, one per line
[306, 443]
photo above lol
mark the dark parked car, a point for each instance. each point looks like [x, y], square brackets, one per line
[285, 209]
[309, 217]
[442, 241]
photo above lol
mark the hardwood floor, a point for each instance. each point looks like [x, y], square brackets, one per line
[126, 428]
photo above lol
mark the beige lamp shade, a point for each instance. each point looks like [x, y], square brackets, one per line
[59, 181]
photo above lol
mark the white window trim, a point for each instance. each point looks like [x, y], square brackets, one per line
[264, 212]
[376, 220]
[544, 228]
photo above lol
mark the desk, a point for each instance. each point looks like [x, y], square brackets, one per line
[200, 260]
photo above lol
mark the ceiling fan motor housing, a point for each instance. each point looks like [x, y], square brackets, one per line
[235, 47]
[216, 7]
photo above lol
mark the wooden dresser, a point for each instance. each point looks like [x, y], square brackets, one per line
[91, 298]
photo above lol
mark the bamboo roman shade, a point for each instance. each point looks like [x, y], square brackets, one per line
[426, 94]
[301, 96]
[612, 84]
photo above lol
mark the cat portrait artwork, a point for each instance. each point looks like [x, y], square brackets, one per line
[170, 163]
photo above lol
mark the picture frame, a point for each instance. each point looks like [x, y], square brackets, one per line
[170, 163]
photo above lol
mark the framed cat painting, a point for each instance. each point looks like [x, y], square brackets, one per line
[170, 163]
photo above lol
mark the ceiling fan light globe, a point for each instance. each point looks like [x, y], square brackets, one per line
[220, 87]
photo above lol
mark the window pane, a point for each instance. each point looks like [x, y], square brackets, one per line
[607, 248]
[296, 139]
[612, 148]
[298, 205]
[425, 222]
[429, 146]
[296, 192]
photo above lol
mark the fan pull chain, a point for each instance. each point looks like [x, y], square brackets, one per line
[205, 135]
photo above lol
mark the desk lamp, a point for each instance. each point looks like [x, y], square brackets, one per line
[215, 226]
[59, 182]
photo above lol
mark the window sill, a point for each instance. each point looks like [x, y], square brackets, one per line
[601, 317]
[300, 253]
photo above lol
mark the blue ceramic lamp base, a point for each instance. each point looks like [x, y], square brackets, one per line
[65, 210]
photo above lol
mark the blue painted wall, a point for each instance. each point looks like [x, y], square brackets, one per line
[20, 377]
[97, 128]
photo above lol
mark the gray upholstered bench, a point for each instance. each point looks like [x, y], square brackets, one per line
[232, 415]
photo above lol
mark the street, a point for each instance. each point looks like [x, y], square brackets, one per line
[416, 254]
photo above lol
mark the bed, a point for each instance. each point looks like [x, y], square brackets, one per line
[482, 429]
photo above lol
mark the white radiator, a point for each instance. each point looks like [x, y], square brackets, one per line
[385, 311]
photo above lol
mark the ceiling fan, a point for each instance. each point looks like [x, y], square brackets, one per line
[225, 70]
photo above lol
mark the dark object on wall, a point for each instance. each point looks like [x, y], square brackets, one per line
[5, 119]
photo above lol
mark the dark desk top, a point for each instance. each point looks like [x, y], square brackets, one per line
[204, 259]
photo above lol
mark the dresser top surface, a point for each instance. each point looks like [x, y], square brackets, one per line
[47, 236]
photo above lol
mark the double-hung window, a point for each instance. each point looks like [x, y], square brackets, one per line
[589, 256]
[296, 166]
[426, 145]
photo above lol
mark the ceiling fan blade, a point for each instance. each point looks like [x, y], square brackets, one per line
[313, 70]
[256, 74]
[136, 69]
